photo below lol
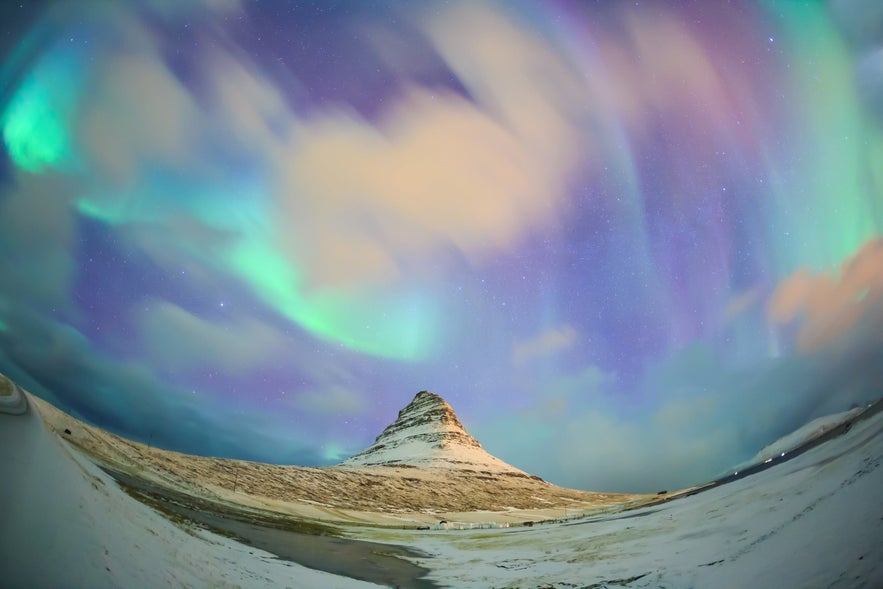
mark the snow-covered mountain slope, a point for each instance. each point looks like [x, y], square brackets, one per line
[800, 436]
[427, 433]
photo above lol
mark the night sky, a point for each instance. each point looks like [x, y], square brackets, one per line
[631, 243]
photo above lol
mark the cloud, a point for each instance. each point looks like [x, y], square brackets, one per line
[869, 72]
[741, 302]
[576, 434]
[591, 442]
[692, 416]
[138, 113]
[176, 339]
[59, 364]
[828, 305]
[171, 8]
[348, 206]
[435, 171]
[37, 234]
[660, 65]
[607, 451]
[546, 343]
[859, 20]
[334, 400]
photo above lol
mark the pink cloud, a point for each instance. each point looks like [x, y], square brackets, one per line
[546, 343]
[830, 304]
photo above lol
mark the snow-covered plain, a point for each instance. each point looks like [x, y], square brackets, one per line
[815, 521]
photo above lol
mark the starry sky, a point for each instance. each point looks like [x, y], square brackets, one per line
[630, 242]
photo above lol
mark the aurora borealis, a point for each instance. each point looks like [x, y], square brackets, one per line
[630, 243]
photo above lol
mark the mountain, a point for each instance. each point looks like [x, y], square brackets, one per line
[804, 434]
[427, 433]
[424, 467]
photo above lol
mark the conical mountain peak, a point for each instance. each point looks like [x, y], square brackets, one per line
[427, 432]
[428, 408]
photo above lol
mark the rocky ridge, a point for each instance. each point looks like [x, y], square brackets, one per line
[427, 433]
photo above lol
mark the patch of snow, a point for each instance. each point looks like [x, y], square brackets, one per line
[418, 453]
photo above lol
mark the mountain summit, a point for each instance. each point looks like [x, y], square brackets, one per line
[427, 433]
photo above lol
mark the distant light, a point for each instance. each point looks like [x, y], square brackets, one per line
[772, 39]
[736, 474]
[767, 460]
[782, 454]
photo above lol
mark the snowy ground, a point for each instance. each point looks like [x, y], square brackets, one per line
[65, 523]
[815, 522]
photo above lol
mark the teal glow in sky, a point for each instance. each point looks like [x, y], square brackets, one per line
[630, 244]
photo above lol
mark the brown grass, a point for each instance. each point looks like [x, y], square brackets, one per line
[370, 489]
